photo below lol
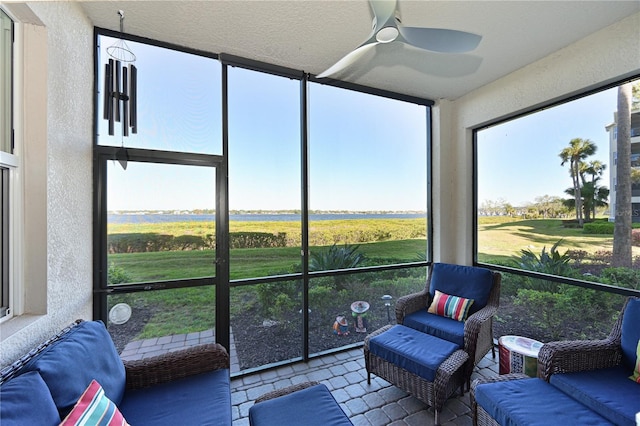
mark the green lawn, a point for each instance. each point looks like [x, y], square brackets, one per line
[184, 310]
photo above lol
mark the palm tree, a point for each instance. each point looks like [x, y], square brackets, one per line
[595, 169]
[577, 151]
[622, 228]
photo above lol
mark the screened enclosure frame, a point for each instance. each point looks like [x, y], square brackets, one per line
[222, 282]
[522, 272]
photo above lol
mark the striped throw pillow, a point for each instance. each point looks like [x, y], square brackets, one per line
[94, 409]
[636, 371]
[454, 307]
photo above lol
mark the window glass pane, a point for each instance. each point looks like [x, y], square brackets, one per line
[161, 222]
[155, 322]
[6, 64]
[546, 190]
[368, 180]
[548, 311]
[264, 174]
[266, 323]
[178, 98]
[336, 300]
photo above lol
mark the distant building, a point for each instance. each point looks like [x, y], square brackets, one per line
[635, 163]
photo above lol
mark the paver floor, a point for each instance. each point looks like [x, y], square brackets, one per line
[343, 373]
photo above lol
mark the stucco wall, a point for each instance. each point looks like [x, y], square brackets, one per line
[61, 211]
[604, 57]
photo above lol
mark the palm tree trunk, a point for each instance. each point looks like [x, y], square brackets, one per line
[622, 229]
[577, 193]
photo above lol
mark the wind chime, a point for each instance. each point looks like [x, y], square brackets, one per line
[120, 91]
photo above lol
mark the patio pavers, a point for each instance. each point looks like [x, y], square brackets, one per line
[343, 373]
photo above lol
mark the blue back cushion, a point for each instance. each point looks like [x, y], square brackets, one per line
[85, 353]
[630, 332]
[201, 399]
[313, 406]
[470, 282]
[26, 400]
[607, 391]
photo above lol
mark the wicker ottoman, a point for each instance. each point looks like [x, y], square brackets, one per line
[309, 404]
[429, 368]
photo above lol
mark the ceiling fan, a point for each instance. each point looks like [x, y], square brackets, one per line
[387, 28]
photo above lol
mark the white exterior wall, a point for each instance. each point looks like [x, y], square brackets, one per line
[57, 173]
[601, 58]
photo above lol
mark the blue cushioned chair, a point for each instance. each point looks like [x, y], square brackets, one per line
[475, 334]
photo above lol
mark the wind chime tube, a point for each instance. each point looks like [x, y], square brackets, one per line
[107, 93]
[117, 91]
[125, 103]
[133, 98]
[111, 97]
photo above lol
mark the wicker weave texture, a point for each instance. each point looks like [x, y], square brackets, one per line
[285, 391]
[449, 376]
[478, 328]
[582, 355]
[175, 365]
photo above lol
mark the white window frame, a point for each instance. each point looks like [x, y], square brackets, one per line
[13, 162]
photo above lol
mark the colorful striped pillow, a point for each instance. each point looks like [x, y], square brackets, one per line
[636, 371]
[94, 409]
[454, 307]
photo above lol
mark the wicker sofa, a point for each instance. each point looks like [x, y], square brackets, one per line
[189, 386]
[584, 382]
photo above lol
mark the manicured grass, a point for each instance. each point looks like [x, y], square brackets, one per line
[507, 238]
[245, 263]
[193, 309]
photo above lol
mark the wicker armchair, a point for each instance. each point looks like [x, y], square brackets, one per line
[478, 327]
[582, 355]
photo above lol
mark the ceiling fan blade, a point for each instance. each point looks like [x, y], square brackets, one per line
[349, 59]
[383, 10]
[440, 40]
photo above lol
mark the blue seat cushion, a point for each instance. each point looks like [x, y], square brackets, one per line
[413, 350]
[313, 406]
[68, 365]
[201, 399]
[470, 282]
[607, 391]
[630, 333]
[26, 400]
[533, 402]
[442, 327]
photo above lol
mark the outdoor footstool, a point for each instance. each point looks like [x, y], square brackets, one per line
[517, 399]
[309, 404]
[427, 367]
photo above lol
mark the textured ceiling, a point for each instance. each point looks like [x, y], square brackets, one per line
[311, 35]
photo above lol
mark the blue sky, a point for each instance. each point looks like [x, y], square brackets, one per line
[519, 160]
[365, 151]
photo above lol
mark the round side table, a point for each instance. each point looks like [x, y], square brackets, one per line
[519, 355]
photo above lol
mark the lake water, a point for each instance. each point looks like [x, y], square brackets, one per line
[165, 218]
